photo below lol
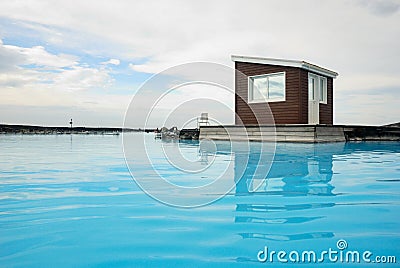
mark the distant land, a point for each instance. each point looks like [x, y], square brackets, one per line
[29, 129]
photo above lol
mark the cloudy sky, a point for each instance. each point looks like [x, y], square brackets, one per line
[85, 59]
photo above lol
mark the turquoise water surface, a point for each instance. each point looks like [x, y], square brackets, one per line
[70, 201]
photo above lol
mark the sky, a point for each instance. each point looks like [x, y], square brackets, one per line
[86, 60]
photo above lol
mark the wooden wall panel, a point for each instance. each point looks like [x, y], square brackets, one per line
[293, 111]
[326, 110]
[303, 97]
[284, 112]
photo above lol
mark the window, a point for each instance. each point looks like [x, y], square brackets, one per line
[317, 88]
[267, 88]
[311, 88]
[322, 90]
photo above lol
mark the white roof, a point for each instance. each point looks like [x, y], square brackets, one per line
[290, 63]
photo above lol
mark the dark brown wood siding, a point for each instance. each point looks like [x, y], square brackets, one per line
[287, 112]
[326, 110]
[303, 97]
[292, 111]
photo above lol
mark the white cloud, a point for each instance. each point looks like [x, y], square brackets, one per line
[358, 39]
[351, 40]
[112, 61]
[36, 67]
[381, 7]
[175, 32]
[9, 59]
[38, 56]
[81, 78]
[34, 77]
[381, 108]
[360, 82]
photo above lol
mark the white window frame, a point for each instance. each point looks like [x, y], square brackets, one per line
[250, 88]
[324, 89]
[318, 79]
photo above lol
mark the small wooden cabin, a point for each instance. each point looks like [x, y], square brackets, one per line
[297, 92]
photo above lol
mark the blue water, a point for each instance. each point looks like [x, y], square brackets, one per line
[70, 201]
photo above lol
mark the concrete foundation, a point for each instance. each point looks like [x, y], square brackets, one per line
[299, 133]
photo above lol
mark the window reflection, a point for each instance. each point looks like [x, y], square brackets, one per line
[276, 85]
[269, 87]
[297, 170]
[260, 88]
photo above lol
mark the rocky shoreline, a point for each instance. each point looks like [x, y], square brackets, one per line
[42, 130]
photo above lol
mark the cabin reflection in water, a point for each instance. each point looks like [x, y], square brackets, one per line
[294, 170]
[296, 200]
[297, 170]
